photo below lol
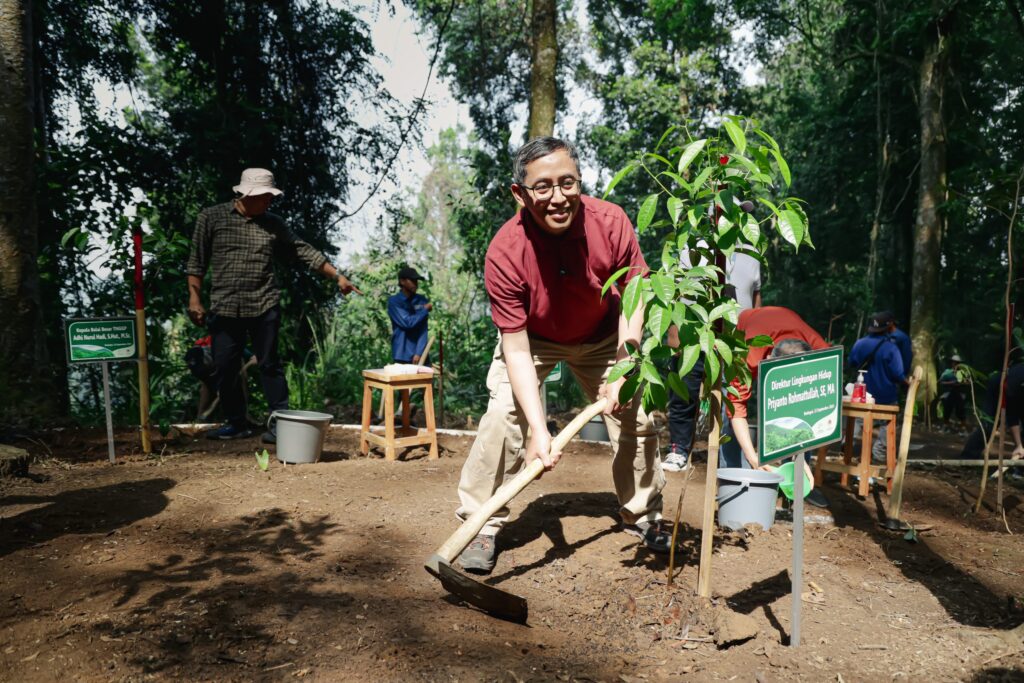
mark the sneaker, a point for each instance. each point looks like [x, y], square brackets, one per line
[816, 498]
[479, 556]
[653, 534]
[675, 462]
[228, 431]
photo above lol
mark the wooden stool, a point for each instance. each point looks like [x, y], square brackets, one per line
[410, 436]
[870, 413]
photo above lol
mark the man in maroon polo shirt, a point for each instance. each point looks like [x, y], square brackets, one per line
[544, 272]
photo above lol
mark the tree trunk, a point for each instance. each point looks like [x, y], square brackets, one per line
[931, 195]
[22, 335]
[543, 86]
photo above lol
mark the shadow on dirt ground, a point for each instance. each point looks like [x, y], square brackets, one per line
[964, 597]
[80, 511]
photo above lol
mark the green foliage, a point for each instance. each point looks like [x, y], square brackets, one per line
[705, 209]
[213, 87]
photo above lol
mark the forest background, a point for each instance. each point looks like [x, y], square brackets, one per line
[903, 128]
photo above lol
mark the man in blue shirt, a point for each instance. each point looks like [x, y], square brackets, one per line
[900, 338]
[878, 354]
[408, 312]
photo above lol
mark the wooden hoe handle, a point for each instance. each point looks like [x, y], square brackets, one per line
[458, 541]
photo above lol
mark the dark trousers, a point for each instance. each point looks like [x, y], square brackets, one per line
[229, 337]
[682, 415]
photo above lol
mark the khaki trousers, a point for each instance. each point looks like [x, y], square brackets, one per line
[499, 446]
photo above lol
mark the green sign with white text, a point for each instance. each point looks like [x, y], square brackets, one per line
[555, 375]
[90, 340]
[800, 403]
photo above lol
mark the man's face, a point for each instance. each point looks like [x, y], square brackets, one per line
[409, 286]
[554, 212]
[255, 205]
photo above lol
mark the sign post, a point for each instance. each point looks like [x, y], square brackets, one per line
[103, 341]
[140, 330]
[800, 402]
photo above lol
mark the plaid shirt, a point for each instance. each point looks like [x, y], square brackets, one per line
[240, 251]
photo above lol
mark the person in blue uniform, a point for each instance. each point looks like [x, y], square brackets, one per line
[408, 311]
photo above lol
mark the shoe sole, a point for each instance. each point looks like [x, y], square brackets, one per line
[230, 438]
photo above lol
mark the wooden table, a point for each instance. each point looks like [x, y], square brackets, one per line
[409, 436]
[870, 413]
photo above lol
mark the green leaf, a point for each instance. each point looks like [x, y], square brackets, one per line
[664, 136]
[751, 229]
[767, 138]
[678, 386]
[631, 297]
[690, 153]
[646, 214]
[771, 206]
[650, 373]
[628, 390]
[675, 209]
[711, 368]
[720, 310]
[263, 459]
[656, 395]
[663, 286]
[659, 158]
[699, 311]
[658, 320]
[791, 227]
[618, 176]
[620, 369]
[783, 166]
[68, 236]
[760, 340]
[724, 351]
[739, 140]
[701, 179]
[690, 355]
[614, 278]
[677, 178]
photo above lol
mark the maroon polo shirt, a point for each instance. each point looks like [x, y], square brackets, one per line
[551, 286]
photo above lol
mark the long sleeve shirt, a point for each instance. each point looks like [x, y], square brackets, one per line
[885, 371]
[240, 251]
[408, 326]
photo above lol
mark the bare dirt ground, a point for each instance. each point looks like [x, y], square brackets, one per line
[197, 566]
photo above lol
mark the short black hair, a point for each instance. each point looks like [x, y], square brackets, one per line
[790, 347]
[537, 148]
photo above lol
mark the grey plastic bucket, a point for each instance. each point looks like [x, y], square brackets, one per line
[300, 435]
[747, 497]
[595, 430]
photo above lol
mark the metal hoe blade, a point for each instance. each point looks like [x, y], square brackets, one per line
[492, 600]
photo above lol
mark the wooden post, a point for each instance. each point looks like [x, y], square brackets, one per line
[707, 531]
[896, 495]
[440, 377]
[140, 333]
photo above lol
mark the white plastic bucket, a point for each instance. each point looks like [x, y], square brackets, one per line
[300, 435]
[747, 497]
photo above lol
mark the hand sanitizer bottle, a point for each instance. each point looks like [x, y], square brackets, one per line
[859, 388]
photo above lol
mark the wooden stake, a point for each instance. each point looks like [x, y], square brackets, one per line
[707, 532]
[675, 526]
[896, 498]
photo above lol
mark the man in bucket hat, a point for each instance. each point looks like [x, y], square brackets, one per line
[237, 241]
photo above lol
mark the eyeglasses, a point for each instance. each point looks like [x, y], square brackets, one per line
[568, 186]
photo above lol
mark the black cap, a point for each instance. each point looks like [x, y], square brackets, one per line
[880, 321]
[408, 273]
